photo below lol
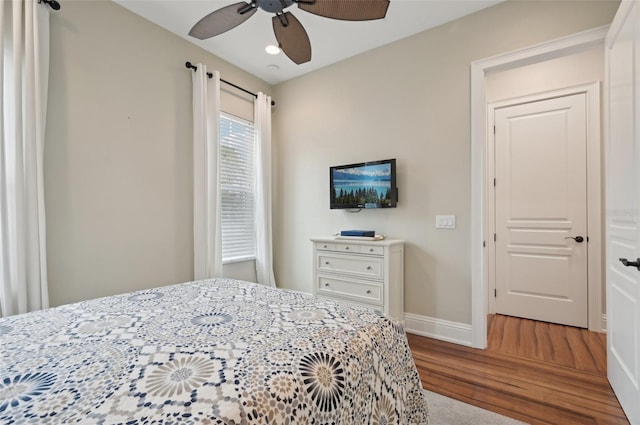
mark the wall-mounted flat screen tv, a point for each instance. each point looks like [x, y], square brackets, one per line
[364, 185]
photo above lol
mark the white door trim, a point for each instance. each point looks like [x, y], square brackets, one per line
[594, 196]
[479, 137]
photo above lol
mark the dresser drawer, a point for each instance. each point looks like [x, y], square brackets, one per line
[357, 265]
[350, 248]
[373, 250]
[346, 247]
[360, 291]
[325, 246]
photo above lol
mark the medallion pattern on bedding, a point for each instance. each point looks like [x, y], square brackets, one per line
[208, 352]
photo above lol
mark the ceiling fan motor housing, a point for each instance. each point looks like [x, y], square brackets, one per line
[274, 6]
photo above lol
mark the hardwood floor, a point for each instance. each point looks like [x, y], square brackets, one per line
[535, 372]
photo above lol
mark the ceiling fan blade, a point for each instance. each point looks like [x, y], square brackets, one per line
[222, 20]
[350, 10]
[292, 37]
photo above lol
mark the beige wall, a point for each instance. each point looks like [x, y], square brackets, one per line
[408, 100]
[118, 155]
[576, 69]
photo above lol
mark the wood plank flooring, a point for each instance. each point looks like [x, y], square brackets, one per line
[535, 372]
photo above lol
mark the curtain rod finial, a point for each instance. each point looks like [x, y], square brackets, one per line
[53, 4]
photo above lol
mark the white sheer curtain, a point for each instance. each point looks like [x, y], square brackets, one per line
[24, 74]
[264, 233]
[207, 234]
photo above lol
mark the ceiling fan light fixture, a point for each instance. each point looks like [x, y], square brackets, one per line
[272, 49]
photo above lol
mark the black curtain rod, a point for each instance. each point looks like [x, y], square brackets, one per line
[51, 3]
[210, 75]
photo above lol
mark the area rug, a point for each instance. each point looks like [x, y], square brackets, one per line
[447, 411]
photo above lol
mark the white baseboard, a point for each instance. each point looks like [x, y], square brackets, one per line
[445, 330]
[458, 333]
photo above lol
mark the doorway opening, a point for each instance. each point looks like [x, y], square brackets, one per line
[480, 180]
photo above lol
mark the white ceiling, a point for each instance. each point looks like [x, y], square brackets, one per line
[331, 40]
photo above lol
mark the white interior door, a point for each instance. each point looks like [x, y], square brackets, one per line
[622, 213]
[541, 210]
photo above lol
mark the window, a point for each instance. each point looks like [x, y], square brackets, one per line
[237, 188]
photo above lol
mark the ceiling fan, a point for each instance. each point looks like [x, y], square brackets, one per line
[289, 32]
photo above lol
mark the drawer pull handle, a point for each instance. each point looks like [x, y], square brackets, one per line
[368, 291]
[347, 248]
[326, 284]
[370, 249]
[326, 262]
[368, 267]
[325, 246]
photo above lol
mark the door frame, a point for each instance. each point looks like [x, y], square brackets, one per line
[593, 206]
[479, 136]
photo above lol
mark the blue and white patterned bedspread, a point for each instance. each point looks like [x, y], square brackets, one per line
[208, 352]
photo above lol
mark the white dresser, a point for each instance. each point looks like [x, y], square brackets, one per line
[364, 272]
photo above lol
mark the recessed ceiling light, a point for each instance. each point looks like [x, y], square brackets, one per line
[272, 49]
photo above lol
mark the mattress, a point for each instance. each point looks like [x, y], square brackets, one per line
[215, 351]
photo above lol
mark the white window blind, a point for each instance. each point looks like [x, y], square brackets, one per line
[237, 188]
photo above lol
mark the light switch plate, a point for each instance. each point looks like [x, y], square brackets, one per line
[445, 222]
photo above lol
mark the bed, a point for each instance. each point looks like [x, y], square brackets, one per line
[215, 351]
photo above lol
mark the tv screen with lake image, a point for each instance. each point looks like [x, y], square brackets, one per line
[365, 185]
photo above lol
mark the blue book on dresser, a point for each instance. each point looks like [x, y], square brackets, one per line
[363, 233]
